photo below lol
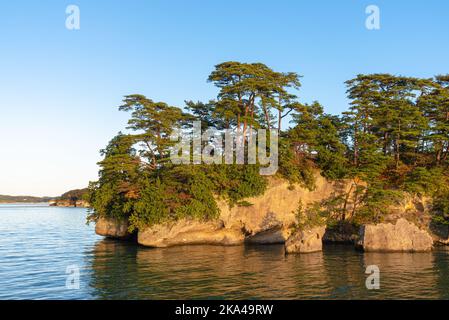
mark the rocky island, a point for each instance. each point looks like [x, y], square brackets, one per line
[374, 177]
[272, 220]
[72, 198]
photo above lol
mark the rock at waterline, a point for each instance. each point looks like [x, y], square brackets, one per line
[112, 228]
[189, 232]
[306, 241]
[402, 236]
[69, 203]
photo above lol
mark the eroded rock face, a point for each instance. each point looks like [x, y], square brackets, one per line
[402, 236]
[112, 228]
[306, 241]
[270, 236]
[270, 217]
[185, 232]
[267, 221]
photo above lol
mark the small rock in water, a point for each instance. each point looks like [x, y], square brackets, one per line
[305, 241]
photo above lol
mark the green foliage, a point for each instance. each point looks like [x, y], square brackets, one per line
[251, 92]
[376, 203]
[236, 182]
[294, 167]
[190, 192]
[151, 206]
[441, 202]
[310, 216]
[424, 181]
[74, 195]
[315, 137]
[154, 122]
[106, 201]
[396, 132]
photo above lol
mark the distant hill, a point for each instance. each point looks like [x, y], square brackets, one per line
[71, 196]
[24, 199]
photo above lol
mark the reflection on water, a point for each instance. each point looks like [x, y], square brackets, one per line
[38, 243]
[122, 270]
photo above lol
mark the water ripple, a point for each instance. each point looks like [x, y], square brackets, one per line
[38, 243]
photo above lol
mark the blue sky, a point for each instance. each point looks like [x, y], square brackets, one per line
[60, 88]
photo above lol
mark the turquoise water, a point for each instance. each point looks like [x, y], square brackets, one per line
[38, 243]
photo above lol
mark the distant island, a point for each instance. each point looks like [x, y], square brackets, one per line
[24, 199]
[72, 198]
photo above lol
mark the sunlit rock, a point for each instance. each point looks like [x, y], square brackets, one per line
[401, 236]
[112, 228]
[305, 241]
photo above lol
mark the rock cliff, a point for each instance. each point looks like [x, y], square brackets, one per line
[270, 218]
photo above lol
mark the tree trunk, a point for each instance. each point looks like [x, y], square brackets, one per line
[245, 121]
[267, 117]
[398, 139]
[438, 157]
[348, 194]
[251, 125]
[446, 152]
[279, 121]
[356, 146]
[397, 155]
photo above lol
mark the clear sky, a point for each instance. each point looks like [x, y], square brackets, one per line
[60, 88]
